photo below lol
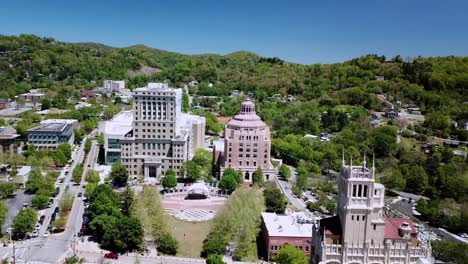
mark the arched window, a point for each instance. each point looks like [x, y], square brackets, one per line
[247, 176]
[365, 190]
[354, 190]
[360, 191]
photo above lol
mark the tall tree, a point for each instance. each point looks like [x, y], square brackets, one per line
[119, 174]
[290, 255]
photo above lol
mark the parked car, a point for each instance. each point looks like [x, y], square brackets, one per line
[35, 234]
[111, 255]
[80, 194]
[57, 209]
[46, 234]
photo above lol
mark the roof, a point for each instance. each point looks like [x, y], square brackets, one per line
[59, 121]
[121, 124]
[8, 132]
[50, 127]
[294, 225]
[247, 117]
[331, 225]
[393, 224]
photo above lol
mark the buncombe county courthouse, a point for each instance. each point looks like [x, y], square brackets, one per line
[162, 137]
[360, 233]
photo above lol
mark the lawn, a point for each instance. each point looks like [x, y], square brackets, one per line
[189, 235]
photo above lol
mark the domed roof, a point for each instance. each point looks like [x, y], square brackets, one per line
[247, 116]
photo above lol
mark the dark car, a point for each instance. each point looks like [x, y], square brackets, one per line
[111, 255]
[80, 194]
[57, 209]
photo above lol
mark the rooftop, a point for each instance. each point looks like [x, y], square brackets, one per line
[120, 124]
[294, 225]
[8, 132]
[331, 225]
[50, 127]
[393, 224]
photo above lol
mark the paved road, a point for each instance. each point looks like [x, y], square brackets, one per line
[14, 205]
[286, 188]
[56, 246]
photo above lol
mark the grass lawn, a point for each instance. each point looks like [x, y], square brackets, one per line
[189, 235]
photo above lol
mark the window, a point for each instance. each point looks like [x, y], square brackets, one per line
[357, 218]
[365, 190]
[352, 217]
[375, 226]
[354, 190]
[363, 217]
[360, 191]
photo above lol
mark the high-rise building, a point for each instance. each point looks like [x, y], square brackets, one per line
[360, 232]
[247, 144]
[162, 137]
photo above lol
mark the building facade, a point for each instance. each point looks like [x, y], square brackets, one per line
[162, 137]
[9, 141]
[277, 230]
[113, 85]
[247, 144]
[360, 232]
[51, 135]
[114, 131]
[34, 96]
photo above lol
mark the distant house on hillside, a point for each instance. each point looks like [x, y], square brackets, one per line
[391, 113]
[87, 94]
[193, 83]
[4, 103]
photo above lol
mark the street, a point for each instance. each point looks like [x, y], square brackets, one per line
[286, 188]
[55, 247]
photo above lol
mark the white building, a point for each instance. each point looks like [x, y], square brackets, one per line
[360, 233]
[162, 137]
[113, 85]
[114, 131]
[73, 122]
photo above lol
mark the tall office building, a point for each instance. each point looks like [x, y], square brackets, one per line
[162, 137]
[247, 144]
[360, 232]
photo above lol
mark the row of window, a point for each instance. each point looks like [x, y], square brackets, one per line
[276, 248]
[359, 191]
[153, 124]
[363, 217]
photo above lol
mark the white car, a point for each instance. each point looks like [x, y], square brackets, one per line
[46, 234]
[37, 226]
[34, 234]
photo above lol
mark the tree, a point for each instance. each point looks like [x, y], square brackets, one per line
[127, 201]
[416, 179]
[228, 182]
[275, 201]
[258, 178]
[383, 141]
[40, 201]
[92, 176]
[192, 170]
[167, 245]
[88, 144]
[77, 173]
[170, 180]
[79, 134]
[451, 252]
[66, 149]
[7, 189]
[119, 174]
[290, 255]
[74, 260]
[45, 104]
[284, 171]
[215, 259]
[185, 103]
[24, 223]
[3, 211]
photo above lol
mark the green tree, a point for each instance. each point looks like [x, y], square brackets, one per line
[127, 201]
[228, 182]
[449, 251]
[92, 176]
[185, 103]
[167, 245]
[74, 260]
[88, 144]
[24, 223]
[119, 174]
[284, 171]
[215, 259]
[66, 149]
[3, 211]
[170, 180]
[79, 134]
[77, 173]
[416, 179]
[192, 170]
[290, 255]
[40, 201]
[275, 201]
[258, 177]
[7, 189]
[383, 141]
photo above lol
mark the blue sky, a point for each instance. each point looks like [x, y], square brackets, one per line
[299, 31]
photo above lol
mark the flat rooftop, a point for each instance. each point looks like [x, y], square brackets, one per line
[50, 127]
[120, 124]
[293, 225]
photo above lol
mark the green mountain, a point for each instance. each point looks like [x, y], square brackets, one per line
[28, 61]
